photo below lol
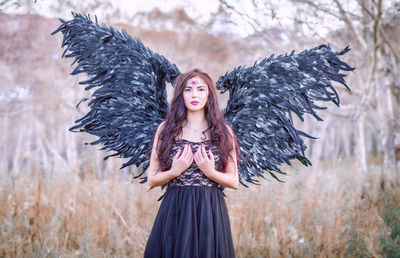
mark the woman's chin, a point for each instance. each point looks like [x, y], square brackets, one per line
[195, 109]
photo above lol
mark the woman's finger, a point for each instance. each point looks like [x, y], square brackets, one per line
[199, 154]
[184, 151]
[196, 152]
[211, 154]
[178, 153]
[203, 152]
[189, 153]
[191, 160]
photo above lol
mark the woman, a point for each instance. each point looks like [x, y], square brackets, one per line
[194, 151]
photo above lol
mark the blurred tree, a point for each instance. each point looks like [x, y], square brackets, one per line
[109, 10]
[372, 28]
[10, 5]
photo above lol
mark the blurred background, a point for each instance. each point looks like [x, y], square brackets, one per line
[59, 198]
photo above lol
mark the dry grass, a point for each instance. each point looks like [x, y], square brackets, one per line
[317, 212]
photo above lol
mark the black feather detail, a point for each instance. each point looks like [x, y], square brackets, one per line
[131, 100]
[262, 97]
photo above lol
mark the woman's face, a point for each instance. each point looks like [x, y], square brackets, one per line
[195, 94]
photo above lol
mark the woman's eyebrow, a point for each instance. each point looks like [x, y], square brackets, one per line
[198, 86]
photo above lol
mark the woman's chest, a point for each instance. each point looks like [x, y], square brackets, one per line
[194, 136]
[194, 147]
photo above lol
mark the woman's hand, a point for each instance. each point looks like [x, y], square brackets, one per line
[205, 162]
[182, 160]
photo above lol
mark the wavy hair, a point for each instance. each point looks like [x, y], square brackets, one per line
[173, 122]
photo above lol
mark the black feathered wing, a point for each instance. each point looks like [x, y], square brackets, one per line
[262, 97]
[130, 101]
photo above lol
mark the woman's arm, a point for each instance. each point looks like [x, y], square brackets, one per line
[229, 177]
[182, 160]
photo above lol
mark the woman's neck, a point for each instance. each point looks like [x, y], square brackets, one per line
[196, 120]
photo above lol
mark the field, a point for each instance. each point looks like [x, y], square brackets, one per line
[319, 211]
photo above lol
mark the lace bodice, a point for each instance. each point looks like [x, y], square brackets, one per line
[193, 176]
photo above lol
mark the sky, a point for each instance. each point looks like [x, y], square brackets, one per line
[199, 10]
[195, 8]
[202, 11]
[131, 7]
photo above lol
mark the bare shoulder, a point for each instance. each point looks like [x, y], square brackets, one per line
[160, 127]
[230, 130]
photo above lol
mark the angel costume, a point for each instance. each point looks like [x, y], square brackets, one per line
[130, 102]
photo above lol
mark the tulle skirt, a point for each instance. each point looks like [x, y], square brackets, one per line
[192, 221]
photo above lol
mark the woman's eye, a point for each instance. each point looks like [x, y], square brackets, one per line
[202, 89]
[187, 90]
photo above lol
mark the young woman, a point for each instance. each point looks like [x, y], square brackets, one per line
[193, 152]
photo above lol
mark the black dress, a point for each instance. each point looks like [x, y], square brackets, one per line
[193, 220]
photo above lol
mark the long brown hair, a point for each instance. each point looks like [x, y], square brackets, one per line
[173, 122]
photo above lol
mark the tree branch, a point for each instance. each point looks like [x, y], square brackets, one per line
[318, 7]
[254, 24]
[380, 28]
[347, 20]
[387, 40]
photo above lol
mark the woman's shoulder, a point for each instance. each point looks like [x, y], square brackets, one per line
[230, 129]
[158, 131]
[160, 127]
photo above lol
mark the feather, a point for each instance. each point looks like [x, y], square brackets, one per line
[262, 97]
[130, 100]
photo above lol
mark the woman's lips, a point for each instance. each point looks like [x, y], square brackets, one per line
[194, 102]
